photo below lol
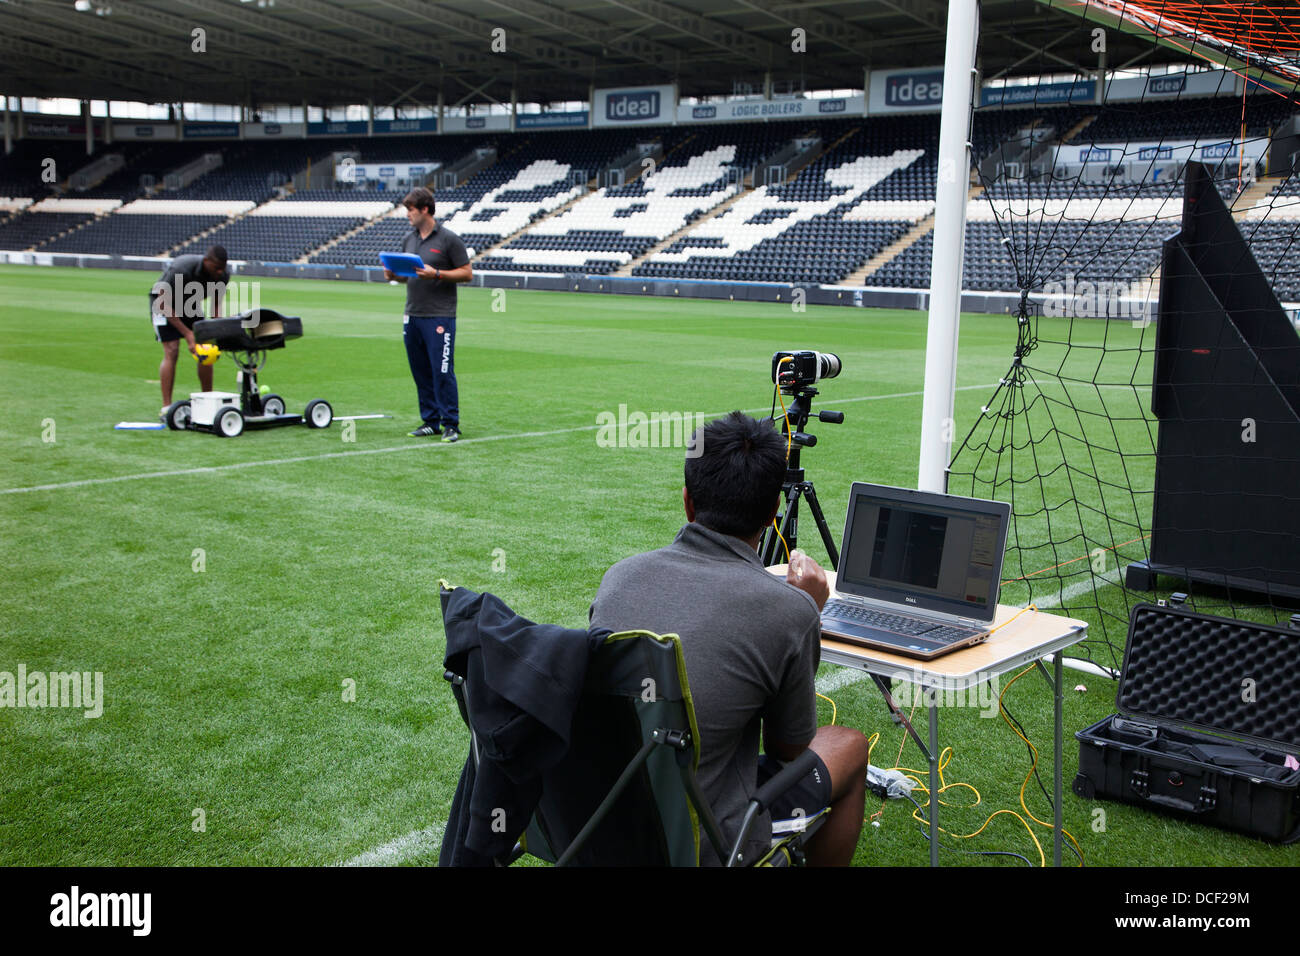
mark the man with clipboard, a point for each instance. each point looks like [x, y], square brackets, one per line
[429, 324]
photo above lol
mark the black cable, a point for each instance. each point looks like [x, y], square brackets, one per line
[1034, 763]
[1029, 747]
[925, 833]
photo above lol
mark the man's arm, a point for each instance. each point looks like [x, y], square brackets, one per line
[784, 752]
[182, 328]
[457, 252]
[461, 274]
[790, 718]
[393, 277]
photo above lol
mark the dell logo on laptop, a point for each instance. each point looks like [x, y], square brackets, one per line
[910, 600]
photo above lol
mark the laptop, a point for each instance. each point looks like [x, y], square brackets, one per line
[918, 572]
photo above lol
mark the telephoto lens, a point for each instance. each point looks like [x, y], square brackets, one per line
[828, 365]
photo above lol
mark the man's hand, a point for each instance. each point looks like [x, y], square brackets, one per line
[427, 272]
[807, 575]
[389, 275]
[189, 341]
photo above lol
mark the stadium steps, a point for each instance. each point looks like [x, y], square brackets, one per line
[882, 258]
[1078, 128]
[65, 232]
[1254, 193]
[720, 208]
[331, 243]
[207, 232]
[540, 219]
[747, 187]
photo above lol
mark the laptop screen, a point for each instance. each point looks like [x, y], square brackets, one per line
[935, 552]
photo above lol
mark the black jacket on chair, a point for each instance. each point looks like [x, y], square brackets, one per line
[522, 685]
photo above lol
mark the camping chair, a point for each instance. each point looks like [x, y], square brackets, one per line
[625, 793]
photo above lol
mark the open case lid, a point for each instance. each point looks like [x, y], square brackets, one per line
[1218, 674]
[253, 330]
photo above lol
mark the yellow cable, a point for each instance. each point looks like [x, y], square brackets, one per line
[945, 758]
[835, 710]
[1028, 607]
[1034, 765]
[783, 541]
[789, 437]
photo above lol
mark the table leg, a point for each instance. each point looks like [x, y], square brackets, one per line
[934, 780]
[1054, 681]
[931, 753]
[1056, 850]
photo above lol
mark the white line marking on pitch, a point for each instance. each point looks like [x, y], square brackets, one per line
[841, 677]
[404, 847]
[1079, 587]
[212, 469]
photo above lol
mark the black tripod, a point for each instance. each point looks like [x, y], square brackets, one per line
[795, 486]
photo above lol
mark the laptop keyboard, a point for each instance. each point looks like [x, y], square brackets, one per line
[870, 617]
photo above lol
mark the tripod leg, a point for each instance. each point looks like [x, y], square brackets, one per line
[827, 539]
[770, 549]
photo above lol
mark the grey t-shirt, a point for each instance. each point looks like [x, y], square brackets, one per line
[752, 644]
[444, 250]
[185, 306]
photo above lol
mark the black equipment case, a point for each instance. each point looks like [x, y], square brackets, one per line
[1209, 710]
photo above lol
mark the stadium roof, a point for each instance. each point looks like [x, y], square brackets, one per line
[336, 52]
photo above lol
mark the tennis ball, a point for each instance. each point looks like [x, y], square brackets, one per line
[264, 390]
[206, 354]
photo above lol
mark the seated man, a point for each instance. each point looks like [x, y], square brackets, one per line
[751, 640]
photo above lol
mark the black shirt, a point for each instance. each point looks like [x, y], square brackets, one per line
[444, 250]
[185, 304]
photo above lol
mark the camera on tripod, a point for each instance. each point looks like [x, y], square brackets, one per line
[795, 373]
[803, 368]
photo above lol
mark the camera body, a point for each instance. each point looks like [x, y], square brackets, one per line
[803, 369]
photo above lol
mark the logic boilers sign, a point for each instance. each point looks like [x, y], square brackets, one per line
[906, 91]
[638, 106]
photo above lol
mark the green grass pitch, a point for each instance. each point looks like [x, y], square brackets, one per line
[231, 591]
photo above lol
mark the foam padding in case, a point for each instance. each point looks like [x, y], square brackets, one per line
[1216, 673]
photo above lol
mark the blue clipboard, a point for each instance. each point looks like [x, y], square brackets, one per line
[401, 263]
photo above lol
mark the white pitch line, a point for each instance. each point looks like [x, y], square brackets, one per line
[1079, 587]
[213, 469]
[404, 847]
[839, 678]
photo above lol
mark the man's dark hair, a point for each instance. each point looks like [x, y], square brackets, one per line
[419, 198]
[218, 255]
[736, 478]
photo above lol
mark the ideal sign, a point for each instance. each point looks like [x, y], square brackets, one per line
[632, 106]
[915, 90]
[1155, 152]
[628, 107]
[1174, 83]
[906, 91]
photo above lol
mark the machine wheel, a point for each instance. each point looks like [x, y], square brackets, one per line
[273, 405]
[229, 423]
[1084, 787]
[177, 416]
[319, 414]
